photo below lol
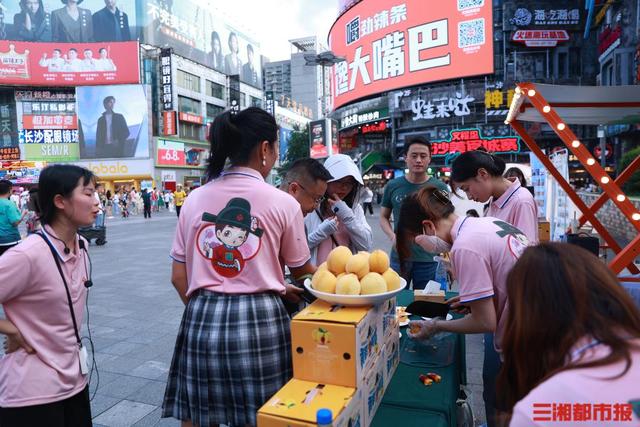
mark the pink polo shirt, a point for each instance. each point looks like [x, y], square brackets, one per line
[34, 300]
[484, 252]
[233, 231]
[517, 206]
[592, 391]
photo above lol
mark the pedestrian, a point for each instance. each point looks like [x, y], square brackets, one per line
[154, 200]
[420, 266]
[166, 199]
[115, 202]
[44, 374]
[178, 197]
[146, 200]
[367, 200]
[100, 198]
[124, 204]
[15, 198]
[339, 220]
[573, 339]
[172, 205]
[32, 220]
[482, 252]
[223, 371]
[109, 200]
[137, 200]
[159, 200]
[10, 218]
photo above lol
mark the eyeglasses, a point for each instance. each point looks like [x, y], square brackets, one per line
[317, 200]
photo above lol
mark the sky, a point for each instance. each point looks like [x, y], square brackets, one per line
[274, 22]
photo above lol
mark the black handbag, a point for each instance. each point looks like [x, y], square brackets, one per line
[585, 241]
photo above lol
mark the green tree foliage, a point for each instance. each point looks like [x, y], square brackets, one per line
[632, 186]
[298, 148]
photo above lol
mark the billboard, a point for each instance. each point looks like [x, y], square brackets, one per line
[388, 45]
[113, 122]
[63, 22]
[69, 64]
[197, 31]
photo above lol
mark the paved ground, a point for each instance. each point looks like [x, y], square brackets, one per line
[135, 314]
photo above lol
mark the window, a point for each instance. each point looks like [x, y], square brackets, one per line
[243, 100]
[213, 111]
[575, 62]
[189, 105]
[214, 89]
[191, 131]
[188, 81]
[562, 65]
[255, 102]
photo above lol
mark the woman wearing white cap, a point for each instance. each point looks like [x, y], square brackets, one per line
[339, 219]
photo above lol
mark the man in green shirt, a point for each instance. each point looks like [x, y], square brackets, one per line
[421, 267]
[10, 217]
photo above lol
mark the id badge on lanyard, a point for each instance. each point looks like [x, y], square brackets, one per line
[84, 360]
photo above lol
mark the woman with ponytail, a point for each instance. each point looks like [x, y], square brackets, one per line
[233, 350]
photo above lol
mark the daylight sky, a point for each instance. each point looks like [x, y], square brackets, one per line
[274, 22]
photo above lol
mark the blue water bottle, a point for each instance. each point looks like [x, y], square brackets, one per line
[441, 275]
[324, 418]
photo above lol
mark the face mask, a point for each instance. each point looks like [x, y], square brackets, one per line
[433, 244]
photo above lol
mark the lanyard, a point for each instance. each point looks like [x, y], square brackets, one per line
[66, 288]
[461, 225]
[584, 348]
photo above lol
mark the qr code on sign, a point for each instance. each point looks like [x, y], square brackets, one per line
[469, 4]
[471, 33]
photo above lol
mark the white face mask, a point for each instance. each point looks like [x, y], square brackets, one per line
[433, 244]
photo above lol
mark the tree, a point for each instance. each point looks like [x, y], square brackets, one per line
[632, 186]
[298, 148]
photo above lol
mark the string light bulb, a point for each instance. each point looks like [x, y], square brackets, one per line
[575, 143]
[636, 216]
[591, 161]
[531, 93]
[561, 126]
[546, 108]
[605, 180]
[621, 198]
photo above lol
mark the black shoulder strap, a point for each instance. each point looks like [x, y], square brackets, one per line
[66, 287]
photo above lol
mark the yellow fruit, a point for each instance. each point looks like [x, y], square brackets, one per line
[379, 261]
[358, 265]
[323, 266]
[341, 274]
[364, 252]
[324, 281]
[373, 283]
[348, 285]
[392, 279]
[338, 258]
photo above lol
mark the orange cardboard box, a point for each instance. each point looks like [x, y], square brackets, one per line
[391, 357]
[335, 344]
[373, 389]
[296, 405]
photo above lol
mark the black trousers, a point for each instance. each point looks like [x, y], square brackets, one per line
[178, 210]
[147, 211]
[74, 411]
[368, 206]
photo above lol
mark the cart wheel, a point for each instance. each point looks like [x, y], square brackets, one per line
[100, 241]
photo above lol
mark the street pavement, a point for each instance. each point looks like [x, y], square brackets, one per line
[134, 315]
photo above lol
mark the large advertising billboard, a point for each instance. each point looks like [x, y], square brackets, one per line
[68, 64]
[197, 31]
[392, 44]
[113, 122]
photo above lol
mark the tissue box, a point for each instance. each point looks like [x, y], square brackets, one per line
[437, 296]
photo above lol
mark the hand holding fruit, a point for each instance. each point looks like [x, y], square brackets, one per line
[422, 329]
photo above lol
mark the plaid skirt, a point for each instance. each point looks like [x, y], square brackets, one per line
[233, 352]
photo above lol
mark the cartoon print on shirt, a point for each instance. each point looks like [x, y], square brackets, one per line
[230, 238]
[517, 241]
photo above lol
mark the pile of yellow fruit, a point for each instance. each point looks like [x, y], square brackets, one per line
[361, 274]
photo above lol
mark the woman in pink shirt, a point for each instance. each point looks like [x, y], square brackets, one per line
[43, 374]
[482, 250]
[572, 348]
[233, 350]
[480, 175]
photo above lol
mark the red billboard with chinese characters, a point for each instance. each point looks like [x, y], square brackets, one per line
[58, 121]
[392, 44]
[68, 64]
[464, 140]
[190, 118]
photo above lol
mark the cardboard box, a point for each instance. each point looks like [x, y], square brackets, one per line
[391, 357]
[420, 295]
[544, 231]
[296, 405]
[372, 390]
[388, 321]
[335, 344]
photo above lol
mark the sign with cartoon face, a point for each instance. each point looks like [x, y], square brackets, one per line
[230, 238]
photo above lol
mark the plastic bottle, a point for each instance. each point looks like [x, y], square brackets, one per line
[441, 274]
[324, 418]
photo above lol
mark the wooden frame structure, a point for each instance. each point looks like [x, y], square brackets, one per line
[560, 106]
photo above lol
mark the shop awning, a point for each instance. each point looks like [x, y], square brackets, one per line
[561, 106]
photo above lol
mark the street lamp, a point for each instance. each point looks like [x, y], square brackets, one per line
[323, 59]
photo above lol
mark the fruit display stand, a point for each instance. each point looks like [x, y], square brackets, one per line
[561, 106]
[409, 402]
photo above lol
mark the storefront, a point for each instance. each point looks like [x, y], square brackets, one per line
[116, 174]
[179, 161]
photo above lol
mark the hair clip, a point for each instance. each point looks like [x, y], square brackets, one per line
[441, 196]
